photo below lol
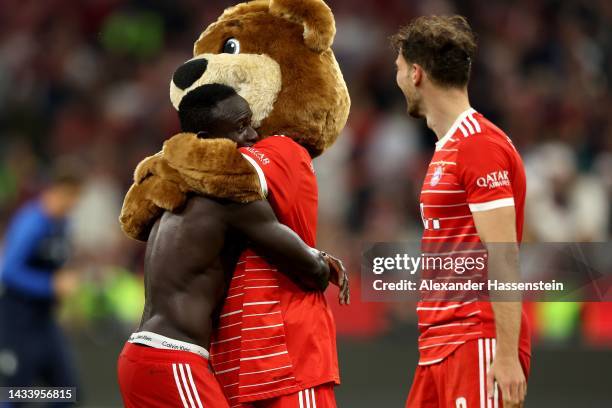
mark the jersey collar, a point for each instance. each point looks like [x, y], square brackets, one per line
[440, 143]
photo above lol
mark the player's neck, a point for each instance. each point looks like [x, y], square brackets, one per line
[445, 106]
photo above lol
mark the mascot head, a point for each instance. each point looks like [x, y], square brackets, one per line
[277, 55]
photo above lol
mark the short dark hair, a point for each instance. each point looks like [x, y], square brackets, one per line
[443, 45]
[196, 108]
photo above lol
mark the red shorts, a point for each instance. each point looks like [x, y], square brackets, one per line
[158, 378]
[321, 396]
[458, 381]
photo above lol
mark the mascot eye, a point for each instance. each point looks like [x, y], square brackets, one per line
[231, 46]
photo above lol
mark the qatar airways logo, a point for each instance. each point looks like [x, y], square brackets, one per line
[260, 156]
[494, 179]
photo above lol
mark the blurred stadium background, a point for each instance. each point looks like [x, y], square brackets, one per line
[89, 80]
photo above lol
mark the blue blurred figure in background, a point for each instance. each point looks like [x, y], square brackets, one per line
[33, 349]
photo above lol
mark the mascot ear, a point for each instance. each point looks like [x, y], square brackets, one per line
[314, 15]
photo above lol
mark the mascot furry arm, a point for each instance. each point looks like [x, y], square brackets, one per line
[187, 164]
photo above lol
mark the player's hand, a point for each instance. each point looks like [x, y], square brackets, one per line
[66, 282]
[508, 374]
[339, 277]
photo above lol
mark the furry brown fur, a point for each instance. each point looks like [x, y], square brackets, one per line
[138, 213]
[212, 167]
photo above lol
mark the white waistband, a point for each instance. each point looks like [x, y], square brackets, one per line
[162, 342]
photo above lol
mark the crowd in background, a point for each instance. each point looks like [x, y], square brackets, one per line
[89, 80]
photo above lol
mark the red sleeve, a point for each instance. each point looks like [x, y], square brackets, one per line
[484, 168]
[276, 160]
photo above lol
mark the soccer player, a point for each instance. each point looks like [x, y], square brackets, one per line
[189, 261]
[472, 354]
[34, 277]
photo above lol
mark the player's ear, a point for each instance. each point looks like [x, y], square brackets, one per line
[416, 74]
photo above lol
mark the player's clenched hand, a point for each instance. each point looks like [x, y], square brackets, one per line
[339, 277]
[508, 374]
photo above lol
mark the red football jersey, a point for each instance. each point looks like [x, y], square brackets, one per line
[475, 167]
[273, 338]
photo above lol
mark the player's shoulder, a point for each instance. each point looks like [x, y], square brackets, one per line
[198, 206]
[476, 133]
[488, 128]
[278, 141]
[277, 148]
[197, 216]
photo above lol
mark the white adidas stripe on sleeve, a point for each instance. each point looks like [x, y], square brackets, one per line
[492, 205]
[260, 174]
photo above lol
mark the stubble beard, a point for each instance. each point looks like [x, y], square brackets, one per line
[414, 107]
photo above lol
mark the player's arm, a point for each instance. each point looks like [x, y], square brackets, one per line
[280, 245]
[497, 229]
[492, 207]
